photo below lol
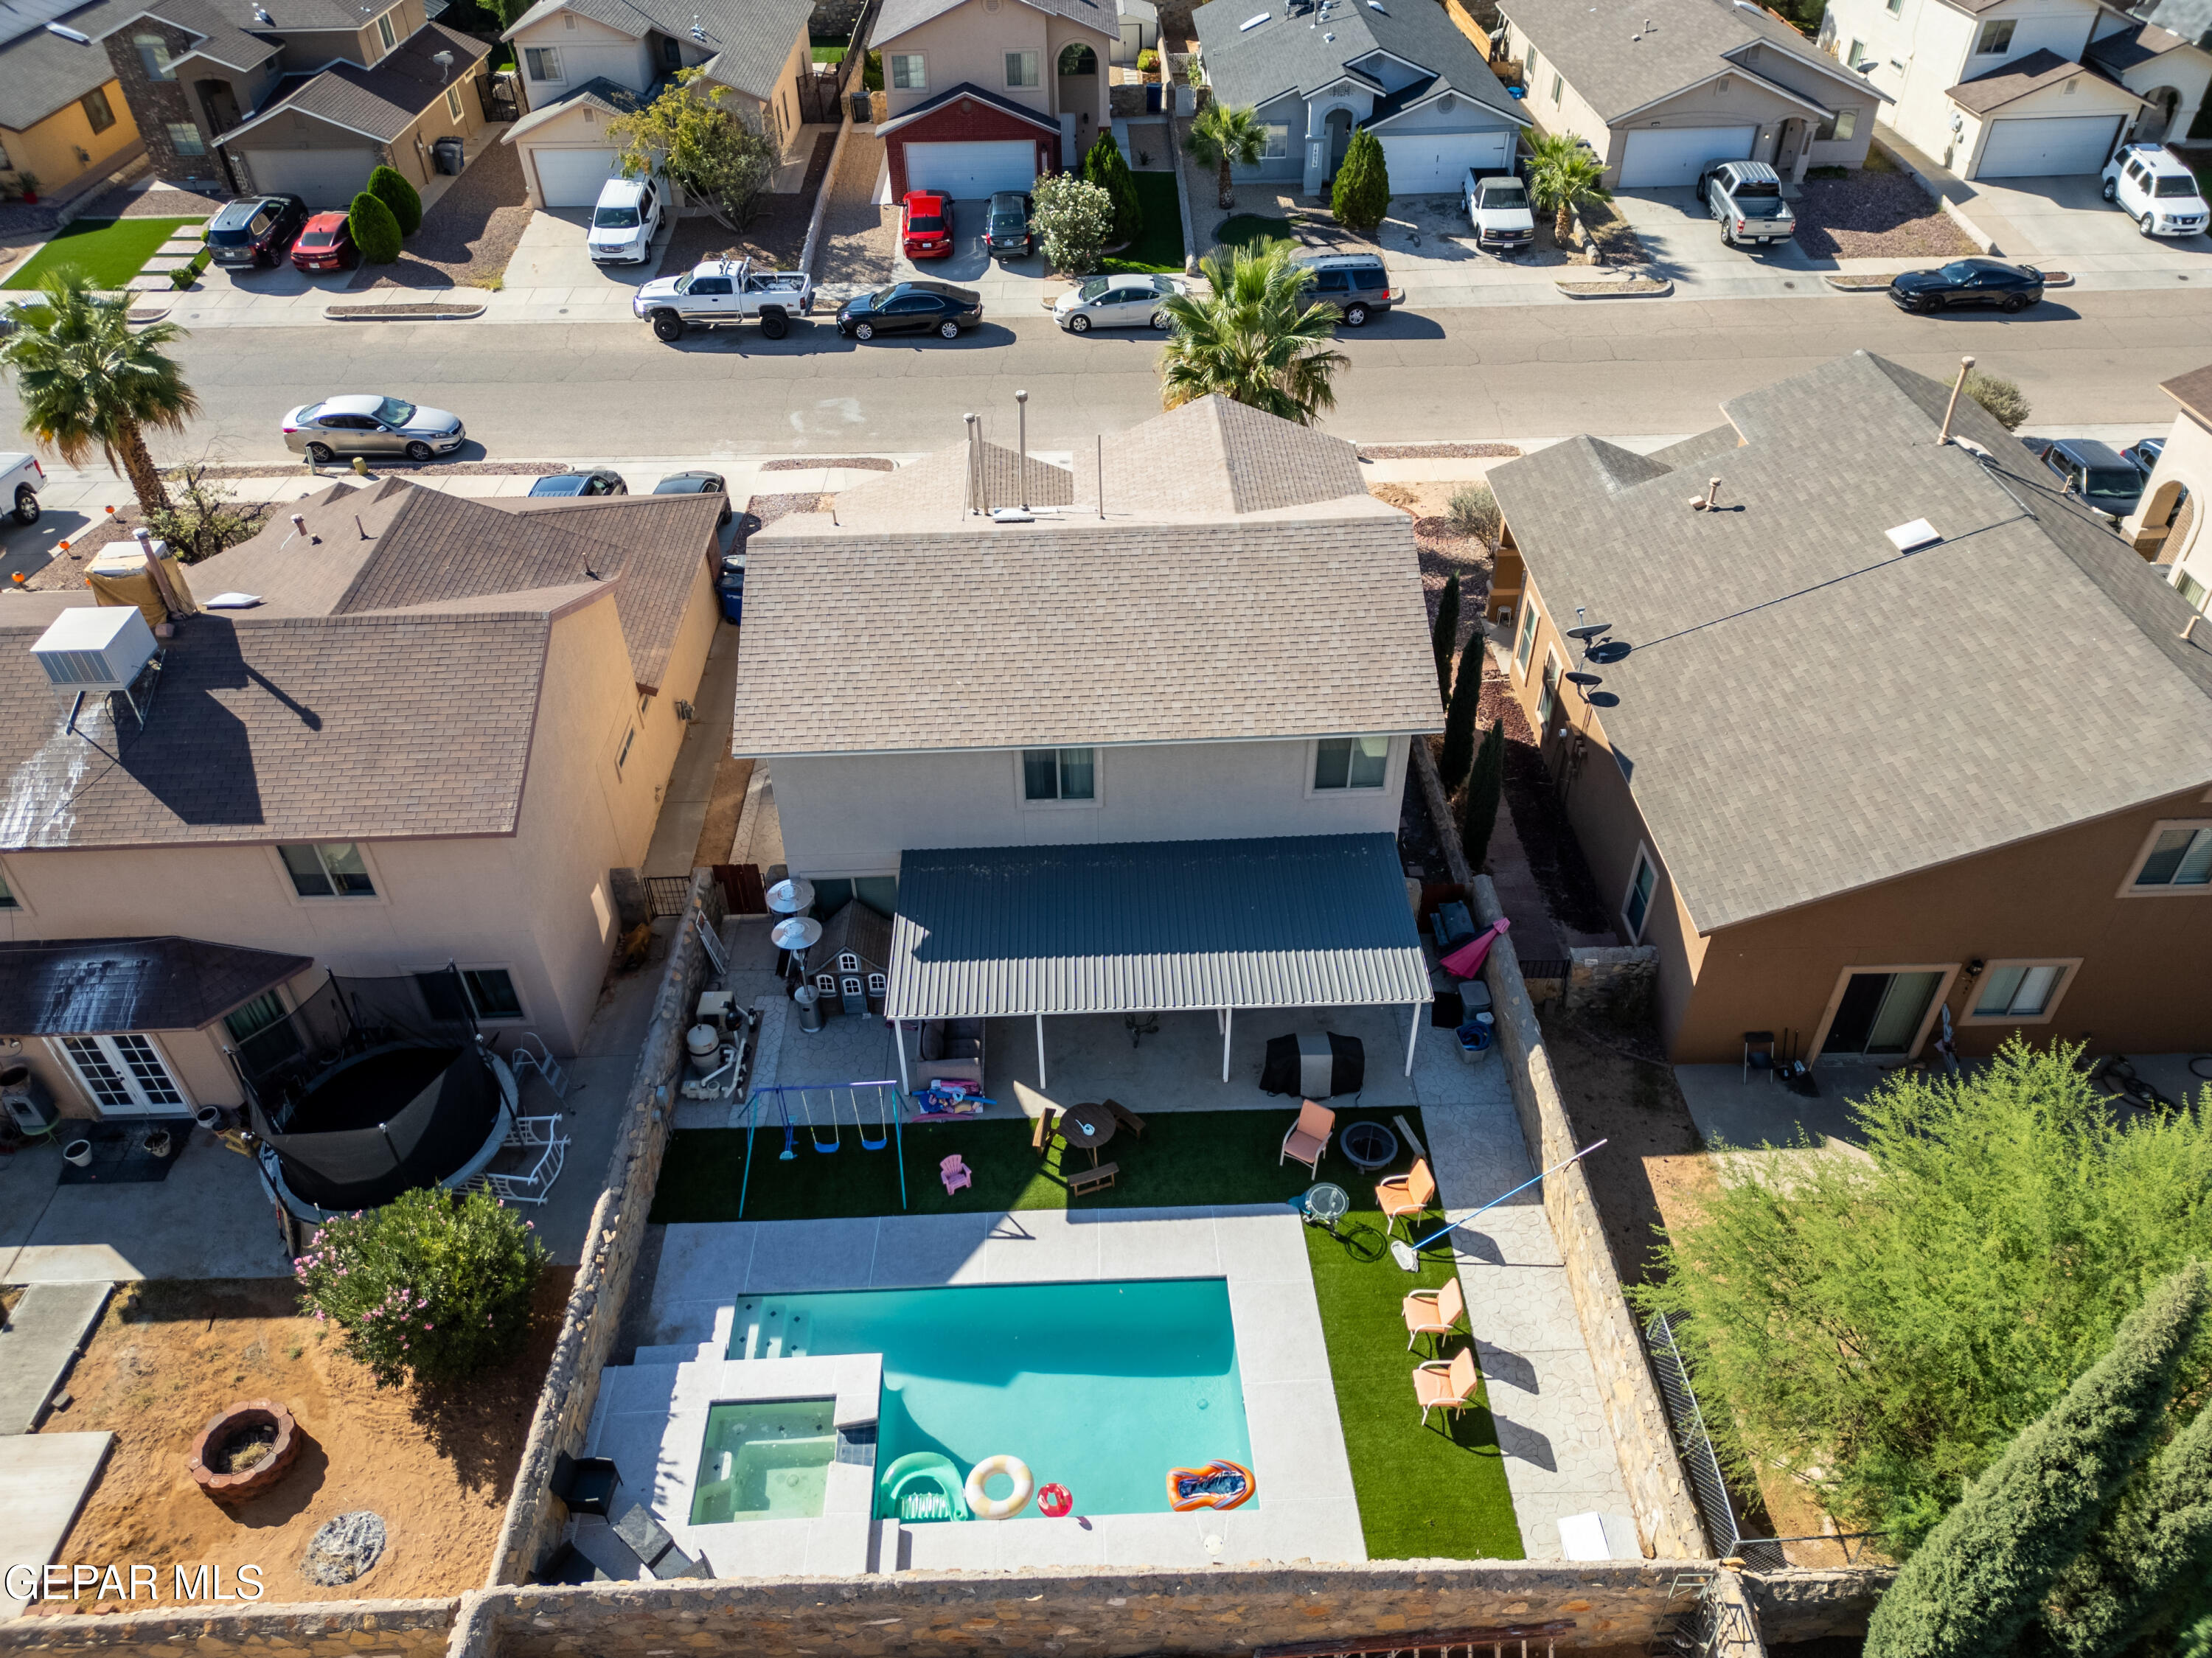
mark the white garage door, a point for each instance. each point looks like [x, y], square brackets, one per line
[1672, 155]
[572, 178]
[320, 178]
[970, 172]
[1435, 163]
[2027, 148]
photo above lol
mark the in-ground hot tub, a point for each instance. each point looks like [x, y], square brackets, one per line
[766, 1461]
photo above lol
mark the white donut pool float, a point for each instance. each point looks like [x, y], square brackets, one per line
[997, 1508]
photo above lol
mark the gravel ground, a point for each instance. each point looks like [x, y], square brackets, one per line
[469, 235]
[813, 464]
[1437, 451]
[859, 240]
[775, 238]
[769, 509]
[1875, 214]
[162, 202]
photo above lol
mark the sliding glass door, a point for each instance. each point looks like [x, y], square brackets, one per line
[1880, 1013]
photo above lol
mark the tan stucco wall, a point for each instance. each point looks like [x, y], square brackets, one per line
[784, 105]
[48, 149]
[411, 152]
[587, 48]
[2185, 463]
[969, 43]
[2090, 95]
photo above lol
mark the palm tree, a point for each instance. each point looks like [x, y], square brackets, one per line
[1563, 173]
[1222, 136]
[87, 379]
[1255, 338]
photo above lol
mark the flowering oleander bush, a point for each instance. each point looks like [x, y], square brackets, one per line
[1073, 218]
[434, 1285]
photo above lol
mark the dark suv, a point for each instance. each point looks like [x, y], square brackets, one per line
[1006, 229]
[2096, 474]
[256, 229]
[1356, 284]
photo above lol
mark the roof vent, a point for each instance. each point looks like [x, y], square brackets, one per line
[1911, 537]
[97, 648]
[1012, 515]
[67, 33]
[698, 29]
[261, 16]
[1253, 22]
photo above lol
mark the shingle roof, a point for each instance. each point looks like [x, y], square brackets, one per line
[997, 101]
[1029, 634]
[598, 93]
[2190, 19]
[1310, 920]
[751, 39]
[2193, 392]
[855, 928]
[1806, 711]
[1219, 456]
[1250, 66]
[2010, 82]
[380, 102]
[898, 16]
[933, 490]
[1617, 66]
[2126, 49]
[85, 987]
[40, 72]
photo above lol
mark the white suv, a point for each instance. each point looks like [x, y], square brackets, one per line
[2156, 191]
[624, 221]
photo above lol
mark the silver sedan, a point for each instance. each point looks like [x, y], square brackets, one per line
[371, 425]
[1135, 301]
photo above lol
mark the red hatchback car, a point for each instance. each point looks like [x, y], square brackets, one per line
[324, 244]
[925, 232]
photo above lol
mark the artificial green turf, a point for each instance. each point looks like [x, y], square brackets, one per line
[111, 251]
[1160, 248]
[1248, 228]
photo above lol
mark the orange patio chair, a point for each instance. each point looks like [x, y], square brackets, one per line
[1307, 1138]
[1434, 1312]
[1441, 1386]
[1406, 1197]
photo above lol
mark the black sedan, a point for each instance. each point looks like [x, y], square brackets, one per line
[697, 483]
[598, 483]
[904, 307]
[1968, 282]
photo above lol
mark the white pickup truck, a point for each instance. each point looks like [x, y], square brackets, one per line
[22, 477]
[1498, 207]
[724, 291]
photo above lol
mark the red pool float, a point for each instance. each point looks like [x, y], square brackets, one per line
[1055, 1502]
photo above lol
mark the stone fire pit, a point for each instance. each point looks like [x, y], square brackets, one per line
[246, 1450]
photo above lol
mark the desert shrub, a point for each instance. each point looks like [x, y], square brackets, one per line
[2000, 397]
[1073, 219]
[1148, 60]
[375, 232]
[1474, 510]
[395, 192]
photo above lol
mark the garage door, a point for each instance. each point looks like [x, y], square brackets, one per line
[970, 171]
[1672, 155]
[2026, 148]
[572, 178]
[320, 178]
[1434, 163]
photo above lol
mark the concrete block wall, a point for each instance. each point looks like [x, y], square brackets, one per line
[332, 1629]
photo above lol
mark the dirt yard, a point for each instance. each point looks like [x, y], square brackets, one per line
[169, 1356]
[1874, 212]
[468, 234]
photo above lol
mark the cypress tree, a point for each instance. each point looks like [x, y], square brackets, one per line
[395, 192]
[1361, 195]
[1103, 165]
[1443, 638]
[1459, 719]
[1485, 787]
[375, 232]
[1981, 1578]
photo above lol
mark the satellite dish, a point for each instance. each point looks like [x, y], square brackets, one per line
[1609, 651]
[796, 933]
[1590, 630]
[1585, 680]
[790, 897]
[1603, 700]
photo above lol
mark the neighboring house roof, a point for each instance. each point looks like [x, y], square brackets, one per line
[2010, 82]
[2132, 47]
[2193, 392]
[1253, 65]
[857, 928]
[88, 987]
[933, 492]
[600, 94]
[1619, 68]
[416, 547]
[1307, 921]
[382, 101]
[1216, 456]
[41, 72]
[968, 90]
[1806, 712]
[900, 16]
[751, 39]
[2190, 19]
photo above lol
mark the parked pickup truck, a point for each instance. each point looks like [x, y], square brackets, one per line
[22, 477]
[1498, 207]
[724, 291]
[1746, 196]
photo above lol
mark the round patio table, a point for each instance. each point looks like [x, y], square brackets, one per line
[1089, 1127]
[1369, 1145]
[1327, 1203]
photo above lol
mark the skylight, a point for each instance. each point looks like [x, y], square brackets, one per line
[1253, 22]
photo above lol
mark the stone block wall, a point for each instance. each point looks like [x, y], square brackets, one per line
[331, 1629]
[1611, 977]
[1811, 1605]
[157, 106]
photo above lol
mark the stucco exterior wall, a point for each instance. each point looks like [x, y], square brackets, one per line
[410, 151]
[2186, 550]
[588, 49]
[2187, 72]
[156, 105]
[2083, 95]
[48, 149]
[970, 43]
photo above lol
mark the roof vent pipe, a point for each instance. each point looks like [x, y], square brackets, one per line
[1966, 367]
[974, 468]
[1705, 502]
[1022, 408]
[2189, 626]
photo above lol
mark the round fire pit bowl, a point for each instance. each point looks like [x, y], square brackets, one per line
[245, 1450]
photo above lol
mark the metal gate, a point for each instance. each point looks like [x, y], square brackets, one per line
[495, 97]
[821, 96]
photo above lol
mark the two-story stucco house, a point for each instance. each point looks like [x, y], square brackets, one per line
[986, 95]
[63, 120]
[585, 61]
[2168, 527]
[1146, 758]
[1315, 69]
[2013, 89]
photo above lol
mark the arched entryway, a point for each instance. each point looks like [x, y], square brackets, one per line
[1078, 59]
[2157, 120]
[1338, 125]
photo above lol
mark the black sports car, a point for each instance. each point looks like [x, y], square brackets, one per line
[697, 483]
[904, 307]
[1968, 282]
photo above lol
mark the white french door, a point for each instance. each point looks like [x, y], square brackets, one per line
[125, 1075]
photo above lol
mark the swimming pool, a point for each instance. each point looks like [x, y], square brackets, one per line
[1101, 1387]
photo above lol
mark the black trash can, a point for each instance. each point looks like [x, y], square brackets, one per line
[450, 154]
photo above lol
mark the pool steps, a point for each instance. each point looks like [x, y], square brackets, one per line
[765, 1328]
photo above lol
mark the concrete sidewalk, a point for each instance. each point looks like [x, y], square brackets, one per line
[42, 1339]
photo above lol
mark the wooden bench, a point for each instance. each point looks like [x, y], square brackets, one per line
[1091, 1179]
[1042, 1135]
[1128, 1118]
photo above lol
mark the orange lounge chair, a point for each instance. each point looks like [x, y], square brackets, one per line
[1405, 1197]
[1307, 1138]
[1434, 1312]
[1439, 1386]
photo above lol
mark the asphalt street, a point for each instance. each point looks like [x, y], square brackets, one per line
[589, 391]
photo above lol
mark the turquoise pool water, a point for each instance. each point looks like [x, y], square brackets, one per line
[765, 1461]
[1101, 1387]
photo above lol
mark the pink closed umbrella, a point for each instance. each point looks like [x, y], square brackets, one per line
[1466, 962]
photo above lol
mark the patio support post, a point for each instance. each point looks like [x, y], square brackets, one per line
[898, 1035]
[1228, 1023]
[1041, 1084]
[1412, 1034]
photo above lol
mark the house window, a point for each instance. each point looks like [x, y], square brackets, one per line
[1022, 69]
[383, 32]
[185, 138]
[1350, 762]
[1530, 64]
[96, 110]
[1525, 645]
[1996, 37]
[1059, 774]
[1840, 125]
[7, 898]
[154, 53]
[620, 759]
[1558, 85]
[264, 1023]
[544, 63]
[491, 993]
[875, 984]
[1896, 7]
[453, 102]
[329, 869]
[909, 72]
[1858, 51]
[826, 983]
[2180, 856]
[1636, 908]
[124, 1074]
[2019, 990]
[1547, 703]
[2189, 588]
[848, 962]
[1278, 143]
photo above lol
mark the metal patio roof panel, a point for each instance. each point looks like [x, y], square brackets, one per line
[1153, 926]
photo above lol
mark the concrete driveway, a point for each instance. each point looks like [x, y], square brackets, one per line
[2065, 223]
[551, 255]
[1018, 286]
[1683, 241]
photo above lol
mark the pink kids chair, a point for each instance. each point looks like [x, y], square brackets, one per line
[955, 1174]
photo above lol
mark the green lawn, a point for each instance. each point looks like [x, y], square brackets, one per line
[109, 250]
[828, 54]
[1160, 248]
[1248, 228]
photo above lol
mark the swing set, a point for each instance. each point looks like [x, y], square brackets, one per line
[818, 1109]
